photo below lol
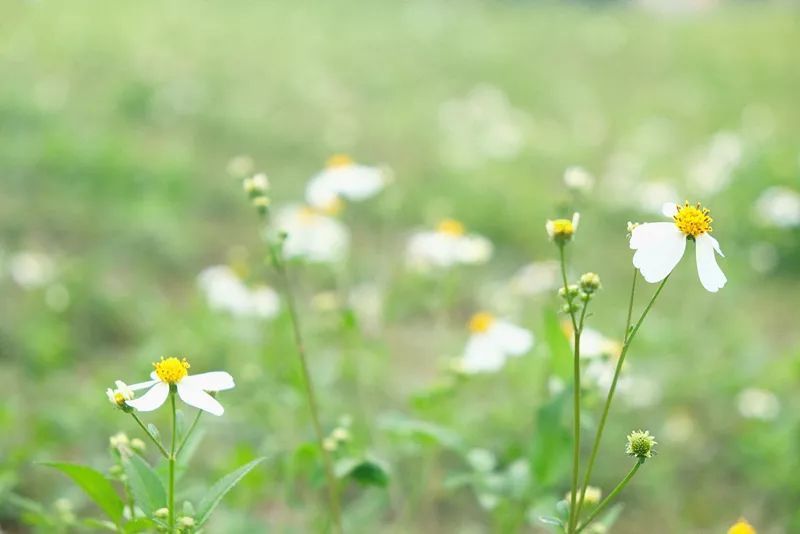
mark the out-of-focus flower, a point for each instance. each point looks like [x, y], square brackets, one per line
[679, 427]
[192, 389]
[240, 166]
[448, 245]
[31, 270]
[578, 179]
[779, 207]
[226, 292]
[492, 342]
[536, 278]
[121, 395]
[312, 235]
[482, 126]
[756, 403]
[742, 527]
[592, 496]
[712, 170]
[343, 178]
[562, 230]
[660, 246]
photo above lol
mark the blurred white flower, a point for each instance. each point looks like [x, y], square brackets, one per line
[312, 235]
[712, 170]
[679, 427]
[492, 342]
[448, 245]
[343, 178]
[578, 179]
[31, 270]
[595, 344]
[226, 292]
[536, 278]
[599, 373]
[779, 206]
[240, 166]
[660, 246]
[756, 403]
[192, 389]
[482, 126]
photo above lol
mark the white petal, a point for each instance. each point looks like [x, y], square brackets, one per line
[198, 398]
[482, 354]
[473, 249]
[142, 385]
[656, 259]
[647, 233]
[669, 209]
[511, 338]
[715, 243]
[213, 381]
[711, 276]
[151, 400]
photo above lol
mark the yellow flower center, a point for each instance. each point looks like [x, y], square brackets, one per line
[171, 370]
[480, 322]
[339, 160]
[693, 220]
[563, 228]
[450, 227]
[333, 207]
[742, 527]
[119, 398]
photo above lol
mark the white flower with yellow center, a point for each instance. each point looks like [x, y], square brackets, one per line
[192, 389]
[660, 246]
[492, 342]
[225, 291]
[121, 395]
[344, 178]
[312, 234]
[446, 246]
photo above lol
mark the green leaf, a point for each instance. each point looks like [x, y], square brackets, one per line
[549, 520]
[153, 429]
[215, 494]
[609, 518]
[422, 432]
[550, 451]
[559, 345]
[95, 485]
[364, 471]
[145, 484]
[141, 524]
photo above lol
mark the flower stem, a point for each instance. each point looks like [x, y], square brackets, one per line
[171, 496]
[333, 499]
[626, 345]
[189, 432]
[611, 495]
[151, 436]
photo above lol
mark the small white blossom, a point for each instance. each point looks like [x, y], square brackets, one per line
[343, 178]
[312, 235]
[756, 403]
[492, 342]
[448, 245]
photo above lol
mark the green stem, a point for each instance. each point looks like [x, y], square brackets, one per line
[626, 345]
[171, 497]
[189, 432]
[630, 306]
[151, 436]
[611, 495]
[333, 500]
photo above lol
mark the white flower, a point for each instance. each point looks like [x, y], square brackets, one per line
[779, 207]
[226, 292]
[536, 278]
[594, 344]
[121, 395]
[578, 179]
[343, 178]
[312, 235]
[31, 270]
[755, 403]
[190, 388]
[448, 245]
[492, 342]
[660, 246]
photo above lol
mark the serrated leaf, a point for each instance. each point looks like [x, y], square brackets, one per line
[146, 485]
[95, 485]
[215, 494]
[364, 471]
[558, 345]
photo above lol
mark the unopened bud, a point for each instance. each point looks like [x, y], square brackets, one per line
[589, 283]
[641, 444]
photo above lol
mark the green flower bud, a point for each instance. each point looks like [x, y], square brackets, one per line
[161, 513]
[186, 522]
[641, 444]
[589, 283]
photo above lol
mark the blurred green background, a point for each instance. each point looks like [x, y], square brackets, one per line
[118, 120]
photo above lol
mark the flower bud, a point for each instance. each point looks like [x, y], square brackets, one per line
[569, 293]
[161, 513]
[329, 444]
[120, 396]
[589, 283]
[186, 522]
[341, 434]
[641, 444]
[562, 230]
[137, 445]
[570, 308]
[120, 439]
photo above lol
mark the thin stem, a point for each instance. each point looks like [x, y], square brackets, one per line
[601, 426]
[611, 495]
[171, 497]
[151, 436]
[630, 306]
[333, 500]
[189, 432]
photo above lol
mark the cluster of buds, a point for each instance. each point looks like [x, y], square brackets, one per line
[124, 447]
[339, 436]
[256, 188]
[641, 445]
[583, 291]
[561, 231]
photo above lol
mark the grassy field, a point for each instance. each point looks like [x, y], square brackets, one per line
[118, 123]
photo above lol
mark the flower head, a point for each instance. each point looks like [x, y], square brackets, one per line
[448, 245]
[641, 444]
[172, 374]
[344, 178]
[312, 234]
[225, 291]
[121, 395]
[741, 527]
[660, 246]
[492, 342]
[562, 230]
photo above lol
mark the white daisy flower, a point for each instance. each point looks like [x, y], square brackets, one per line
[779, 207]
[448, 245]
[578, 179]
[313, 235]
[191, 389]
[31, 270]
[226, 292]
[121, 395]
[660, 246]
[492, 342]
[343, 178]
